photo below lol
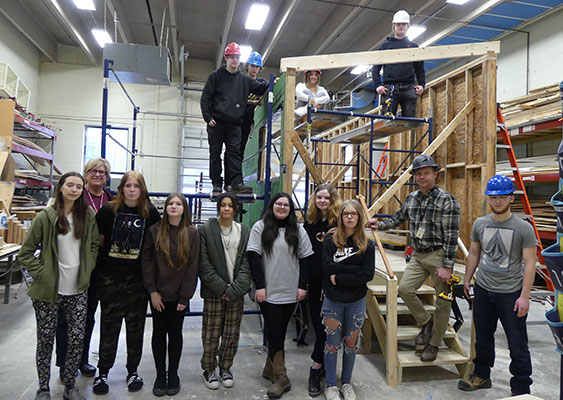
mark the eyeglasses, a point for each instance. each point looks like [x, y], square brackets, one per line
[350, 214]
[282, 205]
[97, 171]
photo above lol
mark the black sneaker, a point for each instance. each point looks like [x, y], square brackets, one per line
[101, 384]
[314, 382]
[210, 380]
[173, 385]
[217, 189]
[159, 387]
[88, 370]
[227, 379]
[241, 188]
[42, 395]
[134, 382]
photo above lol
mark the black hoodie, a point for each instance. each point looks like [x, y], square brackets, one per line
[225, 95]
[402, 72]
[352, 270]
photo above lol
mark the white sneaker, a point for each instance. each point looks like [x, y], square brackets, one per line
[227, 378]
[348, 392]
[210, 380]
[332, 393]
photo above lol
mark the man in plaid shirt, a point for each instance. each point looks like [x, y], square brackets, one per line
[433, 216]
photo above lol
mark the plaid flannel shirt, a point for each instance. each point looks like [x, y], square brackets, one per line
[437, 213]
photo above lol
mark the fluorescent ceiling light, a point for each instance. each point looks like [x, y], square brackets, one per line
[458, 2]
[85, 5]
[415, 31]
[102, 36]
[360, 69]
[257, 16]
[245, 53]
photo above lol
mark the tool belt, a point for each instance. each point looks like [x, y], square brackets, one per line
[428, 249]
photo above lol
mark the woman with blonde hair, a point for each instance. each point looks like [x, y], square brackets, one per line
[170, 262]
[310, 89]
[67, 233]
[349, 263]
[123, 225]
[321, 217]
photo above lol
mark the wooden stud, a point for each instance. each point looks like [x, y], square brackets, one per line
[392, 366]
[315, 173]
[288, 121]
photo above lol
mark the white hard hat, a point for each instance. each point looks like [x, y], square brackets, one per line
[401, 16]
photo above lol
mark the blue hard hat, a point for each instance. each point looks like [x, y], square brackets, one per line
[499, 185]
[255, 58]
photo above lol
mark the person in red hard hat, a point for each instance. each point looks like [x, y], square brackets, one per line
[504, 247]
[310, 89]
[223, 104]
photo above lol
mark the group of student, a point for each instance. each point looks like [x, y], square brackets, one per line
[119, 251]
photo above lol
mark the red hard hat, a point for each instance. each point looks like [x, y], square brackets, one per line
[232, 48]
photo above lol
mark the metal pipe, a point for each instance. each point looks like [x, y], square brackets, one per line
[123, 87]
[134, 137]
[107, 66]
[268, 183]
[181, 139]
[372, 116]
[209, 195]
[396, 151]
[370, 160]
[358, 171]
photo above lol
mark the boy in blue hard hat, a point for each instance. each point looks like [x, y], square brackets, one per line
[433, 216]
[500, 243]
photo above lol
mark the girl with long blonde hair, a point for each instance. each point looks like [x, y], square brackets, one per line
[349, 263]
[170, 263]
[322, 216]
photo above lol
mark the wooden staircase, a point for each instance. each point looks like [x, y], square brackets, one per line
[393, 323]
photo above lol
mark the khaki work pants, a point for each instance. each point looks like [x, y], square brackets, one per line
[420, 267]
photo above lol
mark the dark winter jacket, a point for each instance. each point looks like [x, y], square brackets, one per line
[412, 72]
[225, 95]
[317, 233]
[353, 271]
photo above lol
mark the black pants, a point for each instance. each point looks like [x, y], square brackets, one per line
[315, 307]
[62, 327]
[167, 324]
[245, 130]
[230, 135]
[489, 307]
[122, 297]
[404, 95]
[276, 319]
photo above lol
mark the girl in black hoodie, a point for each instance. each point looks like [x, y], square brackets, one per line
[349, 263]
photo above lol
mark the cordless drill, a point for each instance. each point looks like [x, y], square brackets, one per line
[448, 294]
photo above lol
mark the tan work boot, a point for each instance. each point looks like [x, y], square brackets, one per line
[474, 383]
[268, 372]
[281, 381]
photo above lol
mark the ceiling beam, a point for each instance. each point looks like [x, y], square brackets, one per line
[26, 23]
[346, 60]
[71, 28]
[344, 16]
[226, 28]
[118, 22]
[173, 8]
[274, 35]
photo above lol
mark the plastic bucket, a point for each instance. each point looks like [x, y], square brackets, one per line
[557, 201]
[554, 260]
[556, 327]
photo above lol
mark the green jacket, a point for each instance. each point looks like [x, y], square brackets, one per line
[45, 266]
[213, 266]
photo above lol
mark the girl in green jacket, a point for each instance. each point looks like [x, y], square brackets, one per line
[225, 279]
[68, 236]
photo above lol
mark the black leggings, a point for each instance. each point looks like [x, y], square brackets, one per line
[276, 319]
[315, 306]
[169, 323]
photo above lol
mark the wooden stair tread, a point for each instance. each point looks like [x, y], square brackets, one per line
[409, 332]
[402, 309]
[381, 290]
[408, 358]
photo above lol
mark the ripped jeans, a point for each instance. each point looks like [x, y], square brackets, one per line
[343, 324]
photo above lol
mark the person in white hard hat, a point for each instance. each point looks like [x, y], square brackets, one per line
[402, 82]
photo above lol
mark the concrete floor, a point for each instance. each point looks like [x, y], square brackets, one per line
[18, 378]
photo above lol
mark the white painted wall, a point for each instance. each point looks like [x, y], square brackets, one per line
[545, 55]
[21, 55]
[70, 97]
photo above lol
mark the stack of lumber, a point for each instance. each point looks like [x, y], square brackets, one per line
[544, 214]
[540, 105]
[16, 231]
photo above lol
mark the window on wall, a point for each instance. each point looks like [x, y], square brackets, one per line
[116, 155]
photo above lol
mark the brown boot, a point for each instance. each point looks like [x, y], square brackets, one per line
[268, 372]
[423, 337]
[281, 381]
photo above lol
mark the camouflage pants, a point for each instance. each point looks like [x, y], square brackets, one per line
[122, 296]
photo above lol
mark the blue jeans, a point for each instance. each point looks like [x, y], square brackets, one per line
[342, 321]
[489, 307]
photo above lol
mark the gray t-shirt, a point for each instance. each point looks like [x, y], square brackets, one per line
[281, 267]
[500, 268]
